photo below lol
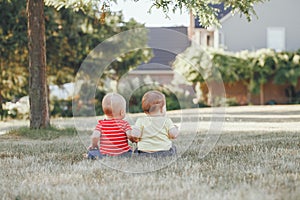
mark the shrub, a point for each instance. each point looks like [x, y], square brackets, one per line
[253, 69]
[135, 102]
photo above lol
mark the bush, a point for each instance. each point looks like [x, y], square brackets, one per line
[88, 107]
[61, 108]
[253, 69]
[135, 102]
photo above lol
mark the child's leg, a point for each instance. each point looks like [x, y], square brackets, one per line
[127, 154]
[171, 152]
[94, 154]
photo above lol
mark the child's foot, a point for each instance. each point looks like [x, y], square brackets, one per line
[85, 155]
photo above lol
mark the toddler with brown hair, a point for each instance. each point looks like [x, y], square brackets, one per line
[155, 130]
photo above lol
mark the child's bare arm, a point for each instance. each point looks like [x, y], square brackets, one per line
[134, 134]
[173, 132]
[95, 140]
[131, 136]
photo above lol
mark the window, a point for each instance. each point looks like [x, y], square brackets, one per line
[208, 40]
[276, 38]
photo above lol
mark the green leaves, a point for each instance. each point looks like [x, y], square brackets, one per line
[70, 37]
[288, 68]
[13, 50]
[203, 9]
[252, 68]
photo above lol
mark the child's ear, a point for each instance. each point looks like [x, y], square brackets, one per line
[162, 109]
[122, 112]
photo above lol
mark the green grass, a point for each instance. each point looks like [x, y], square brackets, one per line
[241, 166]
[43, 134]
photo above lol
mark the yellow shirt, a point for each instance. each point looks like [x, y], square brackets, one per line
[154, 133]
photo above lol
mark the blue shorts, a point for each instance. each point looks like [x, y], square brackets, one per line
[95, 154]
[171, 152]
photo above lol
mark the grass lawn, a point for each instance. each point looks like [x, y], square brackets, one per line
[249, 165]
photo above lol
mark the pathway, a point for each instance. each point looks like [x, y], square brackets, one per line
[235, 119]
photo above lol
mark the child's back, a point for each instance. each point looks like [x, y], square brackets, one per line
[113, 132]
[156, 129]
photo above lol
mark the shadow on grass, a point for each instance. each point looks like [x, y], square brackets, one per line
[42, 134]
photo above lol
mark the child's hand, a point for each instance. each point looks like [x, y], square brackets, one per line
[133, 139]
[134, 135]
[92, 147]
[94, 144]
[173, 132]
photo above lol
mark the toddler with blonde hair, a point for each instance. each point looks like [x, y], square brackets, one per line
[110, 137]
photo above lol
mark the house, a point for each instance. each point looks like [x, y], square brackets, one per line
[166, 43]
[276, 26]
[206, 37]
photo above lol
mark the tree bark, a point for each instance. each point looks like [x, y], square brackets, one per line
[262, 95]
[1, 108]
[249, 94]
[38, 94]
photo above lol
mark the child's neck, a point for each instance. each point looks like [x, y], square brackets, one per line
[156, 114]
[112, 117]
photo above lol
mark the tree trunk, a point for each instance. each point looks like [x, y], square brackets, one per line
[249, 94]
[38, 95]
[262, 95]
[1, 109]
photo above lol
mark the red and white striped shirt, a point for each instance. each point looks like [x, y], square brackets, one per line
[113, 138]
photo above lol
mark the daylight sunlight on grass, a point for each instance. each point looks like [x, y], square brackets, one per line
[49, 164]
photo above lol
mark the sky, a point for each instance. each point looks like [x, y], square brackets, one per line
[139, 11]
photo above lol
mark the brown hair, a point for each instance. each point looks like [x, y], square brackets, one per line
[153, 101]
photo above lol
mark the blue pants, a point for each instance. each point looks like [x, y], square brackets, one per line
[170, 152]
[95, 154]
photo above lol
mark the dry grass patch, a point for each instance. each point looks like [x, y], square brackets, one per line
[241, 166]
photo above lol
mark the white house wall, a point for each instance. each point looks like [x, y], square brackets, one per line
[239, 34]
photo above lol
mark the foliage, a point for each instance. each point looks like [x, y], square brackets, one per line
[288, 68]
[91, 6]
[70, 36]
[85, 106]
[252, 68]
[13, 50]
[61, 108]
[258, 67]
[202, 9]
[126, 62]
[46, 134]
[86, 6]
[82, 31]
[16, 109]
[135, 102]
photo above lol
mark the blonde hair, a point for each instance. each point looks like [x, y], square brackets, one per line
[152, 101]
[112, 103]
